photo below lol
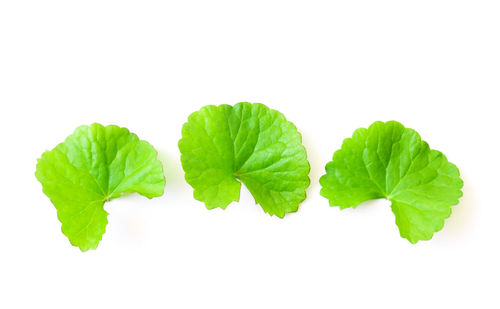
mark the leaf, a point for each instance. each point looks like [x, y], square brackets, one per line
[94, 165]
[223, 145]
[390, 161]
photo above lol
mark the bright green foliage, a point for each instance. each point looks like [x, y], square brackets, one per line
[94, 165]
[390, 161]
[250, 143]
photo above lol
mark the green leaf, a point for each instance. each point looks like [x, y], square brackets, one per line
[94, 165]
[223, 145]
[390, 161]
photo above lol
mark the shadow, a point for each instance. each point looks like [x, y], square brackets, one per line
[462, 214]
[172, 169]
[314, 162]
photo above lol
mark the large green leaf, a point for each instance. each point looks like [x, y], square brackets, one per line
[250, 143]
[390, 161]
[94, 165]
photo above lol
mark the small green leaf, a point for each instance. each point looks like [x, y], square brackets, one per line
[250, 143]
[390, 161]
[94, 165]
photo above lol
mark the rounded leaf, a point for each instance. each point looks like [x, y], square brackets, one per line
[223, 145]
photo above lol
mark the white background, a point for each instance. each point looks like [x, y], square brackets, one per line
[330, 67]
